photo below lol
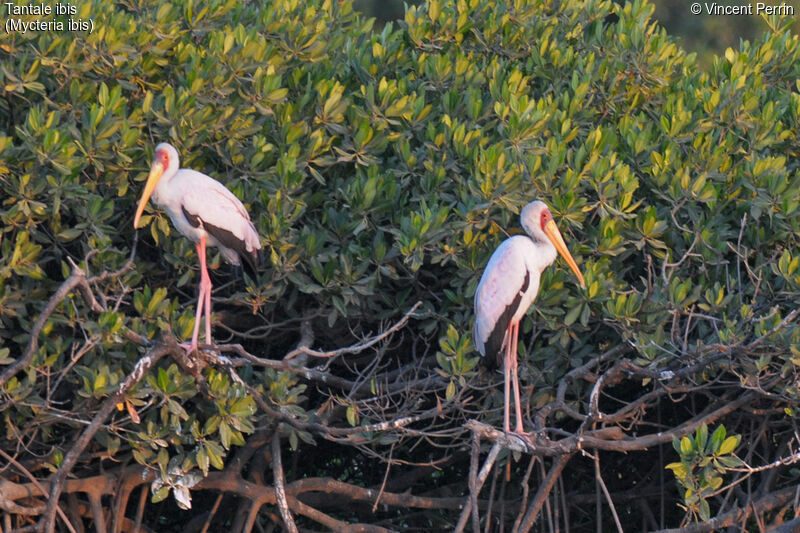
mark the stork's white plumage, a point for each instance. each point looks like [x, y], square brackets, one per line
[508, 286]
[208, 213]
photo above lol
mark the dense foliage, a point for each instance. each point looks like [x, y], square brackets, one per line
[381, 169]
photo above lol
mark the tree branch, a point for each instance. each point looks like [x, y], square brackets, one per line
[481, 479]
[139, 371]
[611, 438]
[740, 515]
[34, 511]
[75, 279]
[358, 347]
[544, 490]
[280, 492]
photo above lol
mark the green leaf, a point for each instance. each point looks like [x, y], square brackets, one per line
[434, 9]
[686, 446]
[717, 438]
[228, 43]
[215, 455]
[163, 379]
[352, 415]
[572, 315]
[212, 425]
[243, 407]
[729, 445]
[730, 55]
[679, 469]
[102, 95]
[731, 461]
[70, 234]
[225, 434]
[147, 103]
[703, 510]
[202, 460]
[676, 444]
[160, 495]
[450, 393]
[701, 437]
[100, 382]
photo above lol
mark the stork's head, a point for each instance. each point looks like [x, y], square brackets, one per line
[539, 224]
[165, 164]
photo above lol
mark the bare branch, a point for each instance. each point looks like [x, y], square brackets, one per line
[792, 526]
[38, 509]
[280, 493]
[481, 479]
[356, 493]
[385, 478]
[544, 490]
[473, 482]
[75, 279]
[139, 371]
[335, 525]
[602, 484]
[612, 438]
[740, 515]
[358, 347]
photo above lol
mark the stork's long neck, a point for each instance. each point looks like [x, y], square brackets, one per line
[545, 253]
[161, 192]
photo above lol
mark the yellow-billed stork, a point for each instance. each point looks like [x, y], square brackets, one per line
[507, 289]
[204, 210]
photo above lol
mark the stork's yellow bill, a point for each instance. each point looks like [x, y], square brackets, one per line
[156, 172]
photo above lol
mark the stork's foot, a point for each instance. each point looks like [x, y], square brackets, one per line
[522, 435]
[193, 360]
[190, 347]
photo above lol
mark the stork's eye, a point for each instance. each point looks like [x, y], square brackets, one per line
[545, 217]
[164, 158]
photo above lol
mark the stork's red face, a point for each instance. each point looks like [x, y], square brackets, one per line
[160, 164]
[162, 157]
[545, 217]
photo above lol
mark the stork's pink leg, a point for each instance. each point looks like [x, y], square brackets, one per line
[207, 310]
[506, 382]
[203, 299]
[198, 315]
[205, 282]
[515, 377]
